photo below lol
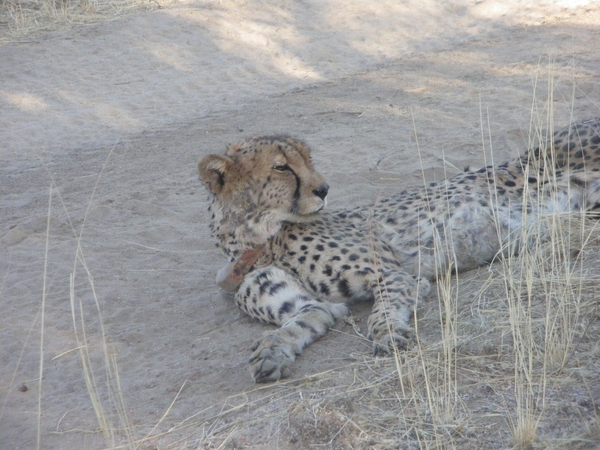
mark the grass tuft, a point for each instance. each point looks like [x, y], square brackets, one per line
[28, 17]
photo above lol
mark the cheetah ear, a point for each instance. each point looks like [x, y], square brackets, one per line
[213, 171]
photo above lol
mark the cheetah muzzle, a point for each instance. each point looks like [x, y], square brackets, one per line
[305, 264]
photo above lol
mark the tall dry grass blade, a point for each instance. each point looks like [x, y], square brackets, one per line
[542, 272]
[88, 373]
[42, 321]
[164, 416]
[113, 387]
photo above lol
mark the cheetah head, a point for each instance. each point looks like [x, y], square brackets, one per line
[258, 185]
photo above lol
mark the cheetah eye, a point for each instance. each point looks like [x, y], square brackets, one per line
[281, 168]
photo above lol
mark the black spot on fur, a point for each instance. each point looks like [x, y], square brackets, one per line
[306, 326]
[344, 288]
[285, 308]
[277, 287]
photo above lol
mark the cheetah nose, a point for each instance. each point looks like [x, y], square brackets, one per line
[322, 191]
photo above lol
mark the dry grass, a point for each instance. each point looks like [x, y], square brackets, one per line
[498, 351]
[101, 379]
[506, 358]
[495, 359]
[21, 18]
[491, 376]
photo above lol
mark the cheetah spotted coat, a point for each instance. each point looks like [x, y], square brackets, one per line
[266, 195]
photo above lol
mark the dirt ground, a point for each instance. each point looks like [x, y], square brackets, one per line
[102, 127]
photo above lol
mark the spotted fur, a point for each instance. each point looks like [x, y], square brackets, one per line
[265, 191]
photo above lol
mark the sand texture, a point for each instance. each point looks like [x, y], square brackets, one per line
[105, 249]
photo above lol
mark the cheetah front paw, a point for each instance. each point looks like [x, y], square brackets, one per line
[270, 359]
[385, 340]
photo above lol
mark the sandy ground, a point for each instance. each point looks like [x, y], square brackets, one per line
[102, 127]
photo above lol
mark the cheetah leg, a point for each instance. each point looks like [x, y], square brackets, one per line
[274, 296]
[389, 321]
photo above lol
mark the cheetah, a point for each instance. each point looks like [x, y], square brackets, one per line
[294, 265]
